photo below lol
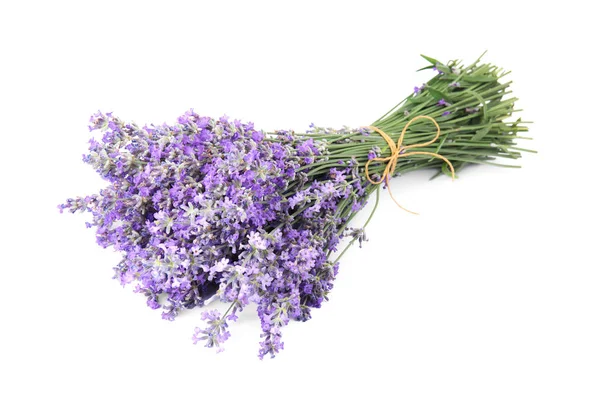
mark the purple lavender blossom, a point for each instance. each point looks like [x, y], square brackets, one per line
[215, 334]
[357, 234]
[374, 153]
[209, 207]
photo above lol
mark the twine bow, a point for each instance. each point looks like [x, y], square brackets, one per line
[400, 151]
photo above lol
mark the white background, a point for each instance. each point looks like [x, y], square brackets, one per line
[492, 293]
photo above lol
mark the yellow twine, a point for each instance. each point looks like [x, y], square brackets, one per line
[399, 151]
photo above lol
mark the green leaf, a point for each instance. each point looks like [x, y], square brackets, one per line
[447, 172]
[480, 134]
[431, 60]
[418, 99]
[439, 95]
[445, 70]
[441, 144]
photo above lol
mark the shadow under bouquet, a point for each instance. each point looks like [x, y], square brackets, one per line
[215, 208]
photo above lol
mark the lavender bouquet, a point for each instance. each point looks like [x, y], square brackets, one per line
[213, 207]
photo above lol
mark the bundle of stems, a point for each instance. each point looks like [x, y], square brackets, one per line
[472, 107]
[209, 206]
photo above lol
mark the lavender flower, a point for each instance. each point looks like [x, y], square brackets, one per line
[374, 152]
[215, 334]
[357, 234]
[205, 206]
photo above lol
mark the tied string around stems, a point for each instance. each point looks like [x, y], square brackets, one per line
[400, 151]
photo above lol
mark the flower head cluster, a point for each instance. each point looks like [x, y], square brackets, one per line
[213, 206]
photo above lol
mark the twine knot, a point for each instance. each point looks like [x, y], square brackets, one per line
[398, 150]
